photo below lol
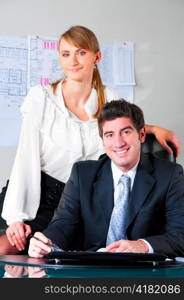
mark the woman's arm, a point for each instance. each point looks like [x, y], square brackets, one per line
[164, 136]
[23, 193]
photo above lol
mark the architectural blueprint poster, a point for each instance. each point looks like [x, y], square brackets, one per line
[31, 60]
[13, 86]
[43, 61]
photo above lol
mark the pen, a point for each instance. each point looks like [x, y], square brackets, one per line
[53, 246]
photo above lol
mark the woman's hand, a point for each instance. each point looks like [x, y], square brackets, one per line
[165, 136]
[39, 245]
[16, 271]
[17, 233]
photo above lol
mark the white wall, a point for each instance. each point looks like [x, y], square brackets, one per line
[156, 27]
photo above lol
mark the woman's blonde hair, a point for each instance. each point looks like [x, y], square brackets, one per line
[84, 38]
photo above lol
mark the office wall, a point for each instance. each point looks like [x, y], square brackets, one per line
[156, 27]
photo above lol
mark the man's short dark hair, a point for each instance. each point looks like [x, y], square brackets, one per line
[118, 109]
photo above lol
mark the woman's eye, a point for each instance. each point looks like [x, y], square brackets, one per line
[65, 54]
[82, 53]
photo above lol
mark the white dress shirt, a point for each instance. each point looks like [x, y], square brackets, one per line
[116, 174]
[52, 139]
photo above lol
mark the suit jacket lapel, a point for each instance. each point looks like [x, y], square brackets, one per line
[143, 184]
[103, 190]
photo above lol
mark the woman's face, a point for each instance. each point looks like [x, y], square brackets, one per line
[77, 64]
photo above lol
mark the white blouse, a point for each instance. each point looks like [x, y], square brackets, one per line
[52, 139]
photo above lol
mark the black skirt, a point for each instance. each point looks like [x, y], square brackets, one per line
[51, 191]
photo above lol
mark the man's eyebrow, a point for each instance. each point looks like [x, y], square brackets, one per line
[127, 127]
[122, 129]
[107, 132]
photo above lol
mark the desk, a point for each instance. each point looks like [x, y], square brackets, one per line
[53, 269]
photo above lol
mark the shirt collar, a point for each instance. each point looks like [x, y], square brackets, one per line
[117, 173]
[90, 106]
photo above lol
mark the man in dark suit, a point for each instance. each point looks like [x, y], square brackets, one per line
[154, 218]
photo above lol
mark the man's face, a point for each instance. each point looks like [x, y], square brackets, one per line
[122, 142]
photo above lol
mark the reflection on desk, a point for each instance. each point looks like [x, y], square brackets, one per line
[11, 271]
[73, 271]
[26, 267]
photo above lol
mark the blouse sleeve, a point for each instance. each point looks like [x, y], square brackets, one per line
[23, 194]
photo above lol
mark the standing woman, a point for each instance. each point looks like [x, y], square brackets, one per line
[59, 127]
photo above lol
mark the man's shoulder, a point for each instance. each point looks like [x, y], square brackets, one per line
[92, 166]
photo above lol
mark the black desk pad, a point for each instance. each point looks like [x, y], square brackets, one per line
[99, 257]
[95, 259]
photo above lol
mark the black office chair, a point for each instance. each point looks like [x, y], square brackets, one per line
[152, 145]
[2, 221]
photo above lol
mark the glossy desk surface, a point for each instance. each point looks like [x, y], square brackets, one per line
[24, 266]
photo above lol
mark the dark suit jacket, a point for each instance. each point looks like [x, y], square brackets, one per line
[155, 213]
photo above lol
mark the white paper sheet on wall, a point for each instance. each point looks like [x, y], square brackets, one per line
[117, 68]
[31, 60]
[123, 66]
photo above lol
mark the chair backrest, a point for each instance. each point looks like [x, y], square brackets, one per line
[152, 145]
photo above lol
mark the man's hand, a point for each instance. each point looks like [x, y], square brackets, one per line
[36, 272]
[39, 245]
[17, 233]
[138, 246]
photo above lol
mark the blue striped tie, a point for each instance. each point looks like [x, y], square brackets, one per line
[117, 223]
